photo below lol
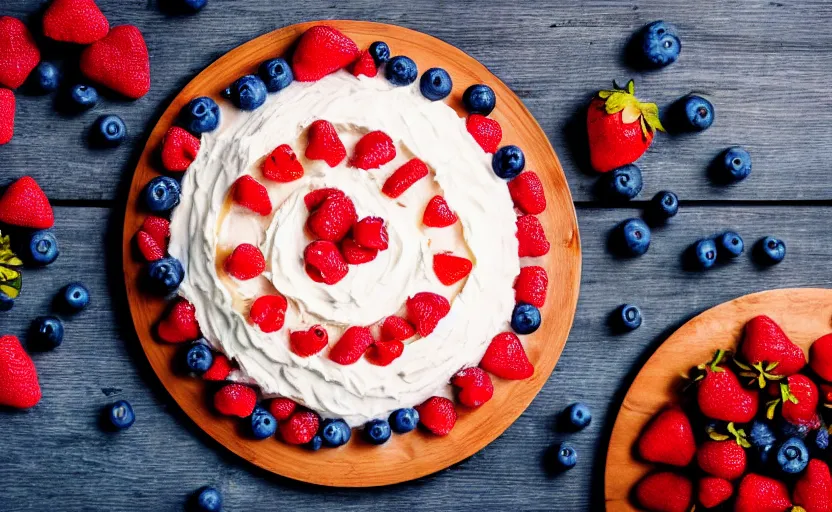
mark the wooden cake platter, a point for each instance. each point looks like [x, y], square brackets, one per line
[404, 457]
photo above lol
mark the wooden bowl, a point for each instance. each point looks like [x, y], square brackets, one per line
[804, 313]
[417, 454]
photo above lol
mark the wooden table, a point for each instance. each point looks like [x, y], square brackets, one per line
[764, 64]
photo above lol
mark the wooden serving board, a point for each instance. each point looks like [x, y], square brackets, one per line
[404, 457]
[804, 313]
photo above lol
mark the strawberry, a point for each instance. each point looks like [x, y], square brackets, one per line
[300, 428]
[370, 233]
[19, 386]
[149, 247]
[396, 328]
[235, 400]
[813, 491]
[722, 459]
[282, 165]
[475, 387]
[310, 342]
[75, 21]
[158, 228]
[18, 52]
[438, 214]
[180, 323]
[620, 128]
[364, 65]
[322, 50]
[333, 219]
[25, 205]
[714, 491]
[282, 408]
[425, 310]
[766, 353]
[665, 492]
[506, 358]
[268, 312]
[720, 395]
[251, 194]
[826, 395]
[450, 269]
[324, 263]
[246, 262]
[314, 199]
[373, 150]
[382, 353]
[7, 107]
[438, 415]
[530, 286]
[179, 149]
[531, 237]
[355, 254]
[799, 397]
[219, 370]
[527, 193]
[324, 143]
[757, 493]
[404, 177]
[668, 439]
[820, 357]
[353, 344]
[119, 61]
[487, 132]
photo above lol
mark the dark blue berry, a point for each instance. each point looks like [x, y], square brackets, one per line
[792, 456]
[659, 44]
[525, 319]
[404, 420]
[109, 131]
[436, 84]
[628, 317]
[83, 97]
[770, 250]
[165, 275]
[735, 164]
[315, 444]
[634, 237]
[377, 431]
[821, 440]
[762, 454]
[479, 99]
[192, 5]
[566, 457]
[699, 112]
[6, 302]
[208, 499]
[247, 92]
[121, 415]
[46, 333]
[263, 424]
[335, 432]
[401, 71]
[200, 115]
[729, 245]
[45, 78]
[74, 297]
[705, 253]
[42, 248]
[508, 162]
[276, 74]
[787, 430]
[623, 183]
[380, 53]
[199, 358]
[761, 435]
[162, 194]
[665, 205]
[578, 415]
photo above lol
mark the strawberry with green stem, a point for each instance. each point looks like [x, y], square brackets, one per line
[723, 456]
[720, 395]
[799, 398]
[766, 353]
[11, 279]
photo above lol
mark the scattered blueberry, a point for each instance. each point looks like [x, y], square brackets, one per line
[6, 302]
[665, 204]
[761, 435]
[192, 5]
[377, 431]
[46, 333]
[508, 162]
[121, 415]
[729, 245]
[659, 44]
[315, 444]
[705, 253]
[165, 275]
[42, 248]
[200, 115]
[276, 74]
[380, 53]
[247, 92]
[699, 112]
[734, 164]
[199, 358]
[792, 456]
[623, 183]
[208, 499]
[436, 84]
[161, 194]
[566, 457]
[404, 420]
[525, 319]
[335, 432]
[74, 297]
[628, 317]
[109, 131]
[634, 237]
[578, 415]
[770, 250]
[787, 430]
[45, 78]
[83, 97]
[821, 439]
[401, 71]
[479, 99]
[263, 424]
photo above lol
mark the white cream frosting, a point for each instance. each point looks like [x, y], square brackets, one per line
[205, 229]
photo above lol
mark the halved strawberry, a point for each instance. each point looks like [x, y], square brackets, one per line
[268, 312]
[251, 194]
[450, 269]
[438, 214]
[353, 344]
[324, 143]
[438, 415]
[179, 149]
[396, 328]
[531, 237]
[282, 165]
[179, 324]
[382, 353]
[158, 228]
[364, 65]
[370, 233]
[425, 310]
[373, 150]
[355, 254]
[487, 132]
[506, 358]
[404, 177]
[324, 262]
[235, 400]
[320, 51]
[527, 193]
[309, 342]
[246, 262]
[475, 386]
[149, 247]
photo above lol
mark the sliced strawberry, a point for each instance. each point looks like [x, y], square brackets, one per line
[300, 428]
[382, 353]
[373, 150]
[282, 408]
[25, 205]
[450, 269]
[438, 415]
[425, 310]
[246, 262]
[353, 344]
[370, 233]
[251, 194]
[268, 312]
[149, 247]
[364, 65]
[324, 143]
[531, 285]
[282, 165]
[396, 328]
[531, 237]
[235, 400]
[438, 214]
[527, 193]
[314, 199]
[180, 323]
[322, 50]
[324, 262]
[355, 254]
[475, 386]
[310, 342]
[158, 228]
[333, 219]
[179, 149]
[220, 369]
[506, 358]
[487, 132]
[404, 177]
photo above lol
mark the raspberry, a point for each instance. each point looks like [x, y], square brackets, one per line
[396, 328]
[300, 428]
[149, 247]
[506, 358]
[382, 353]
[310, 342]
[373, 150]
[531, 237]
[246, 262]
[235, 400]
[355, 254]
[475, 387]
[425, 310]
[531, 285]
[438, 214]
[450, 269]
[179, 149]
[370, 233]
[487, 132]
[180, 323]
[353, 344]
[324, 263]
[25, 205]
[364, 65]
[320, 51]
[159, 229]
[438, 415]
[324, 143]
[527, 193]
[333, 219]
[219, 370]
[268, 312]
[282, 408]
[404, 177]
[282, 165]
[251, 194]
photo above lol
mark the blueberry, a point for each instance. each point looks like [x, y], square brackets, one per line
[83, 97]
[109, 131]
[247, 92]
[42, 248]
[479, 99]
[659, 44]
[566, 457]
[787, 430]
[729, 245]
[74, 297]
[401, 71]
[436, 84]
[315, 444]
[46, 333]
[200, 115]
[699, 112]
[165, 275]
[335, 432]
[120, 415]
[380, 53]
[761, 435]
[628, 317]
[6, 302]
[761, 455]
[45, 78]
[377, 431]
[820, 440]
[192, 5]
[665, 204]
[770, 250]
[734, 164]
[508, 162]
[263, 424]
[208, 499]
[525, 319]
[199, 358]
[404, 420]
[792, 456]
[623, 183]
[634, 237]
[704, 251]
[578, 415]
[276, 74]
[161, 194]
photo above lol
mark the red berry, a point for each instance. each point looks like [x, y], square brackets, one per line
[246, 262]
[438, 214]
[382, 353]
[310, 342]
[320, 51]
[7, 106]
[282, 408]
[438, 415]
[333, 219]
[820, 357]
[149, 247]
[373, 150]
[450, 269]
[370, 233]
[268, 312]
[251, 194]
[19, 386]
[75, 21]
[425, 310]
[159, 229]
[324, 143]
[714, 491]
[282, 165]
[665, 492]
[235, 400]
[324, 262]
[405, 176]
[219, 370]
[353, 344]
[364, 65]
[506, 358]
[119, 61]
[25, 205]
[531, 237]
[475, 387]
[723, 459]
[314, 199]
[18, 52]
[531, 285]
[487, 132]
[527, 193]
[668, 439]
[300, 428]
[179, 149]
[355, 254]
[180, 323]
[396, 328]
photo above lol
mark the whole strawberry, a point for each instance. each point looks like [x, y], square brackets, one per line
[219, 370]
[668, 439]
[665, 492]
[324, 262]
[235, 400]
[438, 415]
[179, 149]
[474, 385]
[527, 193]
[720, 395]
[820, 357]
[333, 218]
[19, 386]
[799, 399]
[179, 325]
[25, 205]
[487, 132]
[75, 21]
[506, 358]
[320, 51]
[531, 237]
[766, 353]
[18, 52]
[714, 491]
[531, 285]
[300, 428]
[813, 491]
[757, 493]
[119, 61]
[723, 459]
[620, 128]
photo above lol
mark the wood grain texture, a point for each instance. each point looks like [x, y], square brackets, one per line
[804, 314]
